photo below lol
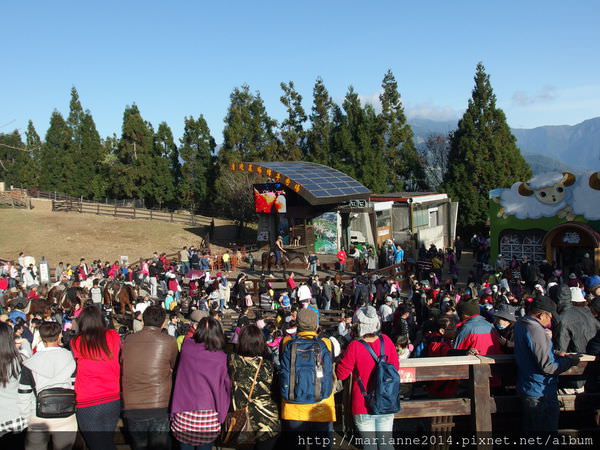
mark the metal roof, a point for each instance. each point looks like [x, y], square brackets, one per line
[318, 184]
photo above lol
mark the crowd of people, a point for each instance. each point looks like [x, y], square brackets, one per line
[175, 373]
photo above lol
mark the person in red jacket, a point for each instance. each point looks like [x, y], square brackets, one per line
[476, 332]
[342, 257]
[357, 359]
[439, 343]
[97, 387]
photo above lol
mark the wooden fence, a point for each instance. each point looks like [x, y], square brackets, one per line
[127, 212]
[15, 199]
[483, 408]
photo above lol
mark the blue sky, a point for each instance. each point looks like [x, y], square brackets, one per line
[181, 58]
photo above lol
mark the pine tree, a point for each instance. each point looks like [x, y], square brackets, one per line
[483, 156]
[197, 170]
[92, 155]
[248, 133]
[14, 157]
[85, 151]
[161, 186]
[405, 165]
[292, 131]
[342, 148]
[319, 135]
[169, 151]
[55, 161]
[30, 173]
[135, 155]
[357, 143]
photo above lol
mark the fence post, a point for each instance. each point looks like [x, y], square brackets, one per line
[150, 214]
[134, 212]
[171, 216]
[98, 209]
[481, 402]
[115, 214]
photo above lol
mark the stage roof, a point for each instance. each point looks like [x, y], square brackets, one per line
[318, 184]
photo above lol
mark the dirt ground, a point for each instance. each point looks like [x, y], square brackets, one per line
[68, 236]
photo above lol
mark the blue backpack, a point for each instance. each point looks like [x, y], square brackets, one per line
[384, 394]
[306, 375]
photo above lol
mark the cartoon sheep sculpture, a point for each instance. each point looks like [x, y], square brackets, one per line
[545, 195]
[586, 196]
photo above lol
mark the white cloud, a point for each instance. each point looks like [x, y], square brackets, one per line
[428, 110]
[371, 99]
[546, 94]
[422, 110]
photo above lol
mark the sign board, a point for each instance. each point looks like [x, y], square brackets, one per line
[44, 273]
[124, 260]
[358, 203]
[383, 232]
[571, 237]
[408, 374]
[262, 236]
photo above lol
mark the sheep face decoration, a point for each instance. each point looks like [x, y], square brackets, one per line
[553, 194]
[545, 195]
[550, 195]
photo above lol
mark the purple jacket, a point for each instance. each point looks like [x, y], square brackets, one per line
[202, 381]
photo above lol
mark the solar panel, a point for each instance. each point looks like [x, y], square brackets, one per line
[318, 184]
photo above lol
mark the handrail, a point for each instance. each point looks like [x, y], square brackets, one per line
[474, 372]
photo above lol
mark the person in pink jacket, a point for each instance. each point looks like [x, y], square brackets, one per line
[357, 359]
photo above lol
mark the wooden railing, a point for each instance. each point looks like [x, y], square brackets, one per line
[14, 198]
[477, 401]
[126, 212]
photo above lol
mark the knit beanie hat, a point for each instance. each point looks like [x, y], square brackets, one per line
[544, 303]
[307, 320]
[368, 322]
[468, 308]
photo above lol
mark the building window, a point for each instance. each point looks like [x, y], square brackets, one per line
[383, 218]
[421, 218]
[433, 218]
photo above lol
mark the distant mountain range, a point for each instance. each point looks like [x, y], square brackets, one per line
[563, 147]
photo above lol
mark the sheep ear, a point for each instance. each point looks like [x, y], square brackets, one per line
[525, 190]
[595, 181]
[568, 179]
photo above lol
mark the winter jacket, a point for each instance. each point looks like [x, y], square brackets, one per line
[202, 381]
[98, 381]
[148, 358]
[357, 359]
[49, 367]
[576, 327]
[537, 365]
[476, 332]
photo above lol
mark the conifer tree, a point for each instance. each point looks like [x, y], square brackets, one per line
[357, 143]
[197, 170]
[14, 157]
[30, 173]
[169, 150]
[248, 134]
[55, 161]
[86, 149]
[342, 148]
[292, 131]
[319, 135]
[405, 166]
[161, 187]
[135, 155]
[483, 156]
